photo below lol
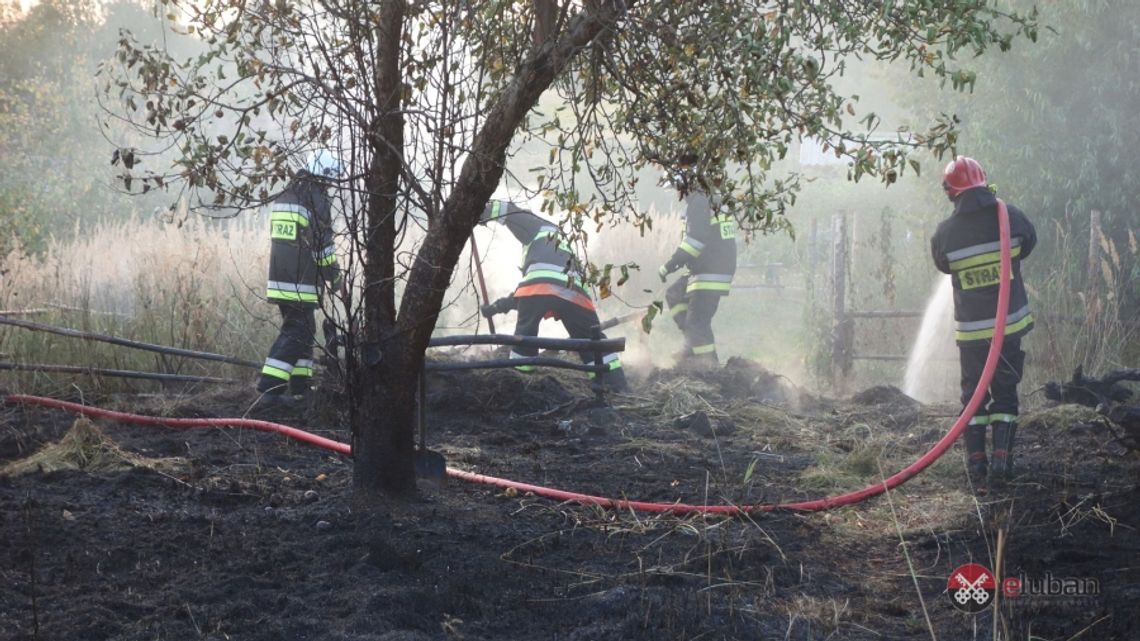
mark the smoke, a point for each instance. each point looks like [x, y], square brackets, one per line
[499, 257]
[626, 245]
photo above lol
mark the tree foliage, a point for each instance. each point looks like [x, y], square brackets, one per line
[737, 83]
[1062, 115]
[1055, 129]
[53, 170]
[427, 100]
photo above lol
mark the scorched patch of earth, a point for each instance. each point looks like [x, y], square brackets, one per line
[222, 533]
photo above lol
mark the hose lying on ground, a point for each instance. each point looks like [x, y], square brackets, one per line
[815, 505]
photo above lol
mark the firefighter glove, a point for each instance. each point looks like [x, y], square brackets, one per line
[501, 306]
[664, 272]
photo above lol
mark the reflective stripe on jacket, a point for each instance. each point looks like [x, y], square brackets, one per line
[709, 247]
[548, 289]
[966, 246]
[303, 252]
[546, 258]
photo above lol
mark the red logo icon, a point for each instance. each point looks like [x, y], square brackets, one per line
[971, 587]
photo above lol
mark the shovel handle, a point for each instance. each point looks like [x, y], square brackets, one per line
[482, 281]
[420, 410]
[613, 322]
[429, 465]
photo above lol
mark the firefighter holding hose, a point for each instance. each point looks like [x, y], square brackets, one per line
[967, 246]
[552, 286]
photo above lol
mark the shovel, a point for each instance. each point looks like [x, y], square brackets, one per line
[646, 315]
[429, 464]
[482, 282]
[625, 318]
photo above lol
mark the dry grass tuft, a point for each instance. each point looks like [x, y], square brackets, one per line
[85, 447]
[826, 615]
[1052, 420]
[682, 396]
[764, 422]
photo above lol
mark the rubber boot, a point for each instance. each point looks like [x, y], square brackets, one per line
[614, 380]
[274, 405]
[271, 385]
[707, 360]
[304, 406]
[1003, 450]
[300, 387]
[976, 454]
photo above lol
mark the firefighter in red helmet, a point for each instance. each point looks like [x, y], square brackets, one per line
[967, 246]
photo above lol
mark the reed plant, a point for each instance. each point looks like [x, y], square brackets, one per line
[194, 283]
[1077, 303]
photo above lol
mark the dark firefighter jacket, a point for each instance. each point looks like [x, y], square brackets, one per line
[549, 267]
[300, 226]
[709, 247]
[966, 246]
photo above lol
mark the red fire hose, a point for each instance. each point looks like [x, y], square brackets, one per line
[816, 505]
[140, 419]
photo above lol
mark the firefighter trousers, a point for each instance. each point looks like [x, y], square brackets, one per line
[693, 313]
[289, 366]
[579, 323]
[1000, 401]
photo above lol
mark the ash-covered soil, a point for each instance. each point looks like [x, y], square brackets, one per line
[221, 533]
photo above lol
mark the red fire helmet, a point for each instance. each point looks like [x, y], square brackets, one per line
[961, 174]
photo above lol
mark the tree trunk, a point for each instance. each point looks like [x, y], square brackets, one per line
[545, 12]
[384, 411]
[383, 447]
[382, 393]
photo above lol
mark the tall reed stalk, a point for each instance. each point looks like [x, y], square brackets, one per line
[197, 285]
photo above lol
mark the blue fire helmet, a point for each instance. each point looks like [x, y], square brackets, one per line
[324, 163]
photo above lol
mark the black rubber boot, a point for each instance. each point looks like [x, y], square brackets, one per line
[271, 385]
[614, 380]
[304, 406]
[1003, 450]
[707, 360]
[300, 386]
[976, 454]
[274, 405]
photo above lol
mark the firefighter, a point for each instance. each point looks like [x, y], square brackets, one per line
[551, 287]
[709, 252]
[966, 246]
[302, 263]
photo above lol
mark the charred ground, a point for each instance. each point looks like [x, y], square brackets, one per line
[229, 534]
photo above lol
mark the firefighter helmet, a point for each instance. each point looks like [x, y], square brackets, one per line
[324, 163]
[961, 174]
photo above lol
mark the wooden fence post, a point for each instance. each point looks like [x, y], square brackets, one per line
[841, 328]
[813, 253]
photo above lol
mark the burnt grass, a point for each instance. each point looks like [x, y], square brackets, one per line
[254, 536]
